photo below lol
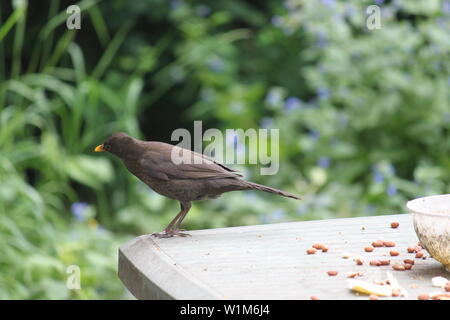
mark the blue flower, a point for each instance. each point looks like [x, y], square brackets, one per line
[274, 96]
[377, 176]
[446, 7]
[292, 103]
[391, 169]
[349, 11]
[216, 64]
[391, 190]
[289, 5]
[175, 4]
[313, 134]
[323, 93]
[323, 162]
[203, 10]
[441, 22]
[277, 21]
[329, 3]
[266, 123]
[321, 40]
[79, 210]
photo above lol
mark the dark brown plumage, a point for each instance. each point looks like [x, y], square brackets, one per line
[151, 162]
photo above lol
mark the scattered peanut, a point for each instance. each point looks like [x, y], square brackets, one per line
[408, 261]
[385, 262]
[441, 296]
[395, 292]
[375, 263]
[359, 261]
[410, 250]
[324, 249]
[311, 251]
[368, 249]
[423, 296]
[398, 267]
[378, 243]
[318, 246]
[389, 243]
[315, 298]
[354, 274]
[332, 273]
[408, 266]
[419, 255]
[394, 225]
[394, 253]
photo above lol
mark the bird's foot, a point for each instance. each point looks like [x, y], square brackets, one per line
[170, 234]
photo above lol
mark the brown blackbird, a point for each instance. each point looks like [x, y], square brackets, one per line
[152, 163]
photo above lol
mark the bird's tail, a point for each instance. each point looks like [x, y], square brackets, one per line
[255, 186]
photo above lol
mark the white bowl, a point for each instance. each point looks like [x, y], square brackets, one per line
[431, 216]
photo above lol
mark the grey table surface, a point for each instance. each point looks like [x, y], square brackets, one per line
[270, 261]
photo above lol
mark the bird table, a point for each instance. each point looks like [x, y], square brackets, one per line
[270, 261]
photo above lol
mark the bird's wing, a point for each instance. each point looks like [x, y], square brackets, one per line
[160, 165]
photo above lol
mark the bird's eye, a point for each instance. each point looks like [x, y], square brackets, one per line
[107, 147]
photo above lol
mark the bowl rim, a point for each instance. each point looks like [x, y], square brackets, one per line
[412, 202]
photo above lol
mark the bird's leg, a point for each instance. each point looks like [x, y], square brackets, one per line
[170, 230]
[187, 206]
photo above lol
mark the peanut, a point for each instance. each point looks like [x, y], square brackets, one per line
[394, 253]
[378, 243]
[398, 267]
[394, 225]
[389, 243]
[424, 296]
[375, 263]
[311, 251]
[332, 273]
[385, 262]
[368, 249]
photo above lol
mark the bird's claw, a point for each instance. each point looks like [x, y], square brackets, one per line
[170, 234]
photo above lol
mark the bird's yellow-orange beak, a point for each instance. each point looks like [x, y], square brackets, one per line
[99, 148]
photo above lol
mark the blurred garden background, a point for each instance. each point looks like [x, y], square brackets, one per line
[364, 119]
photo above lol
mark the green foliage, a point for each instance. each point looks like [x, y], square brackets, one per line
[364, 119]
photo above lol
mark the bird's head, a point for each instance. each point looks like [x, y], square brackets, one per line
[119, 144]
